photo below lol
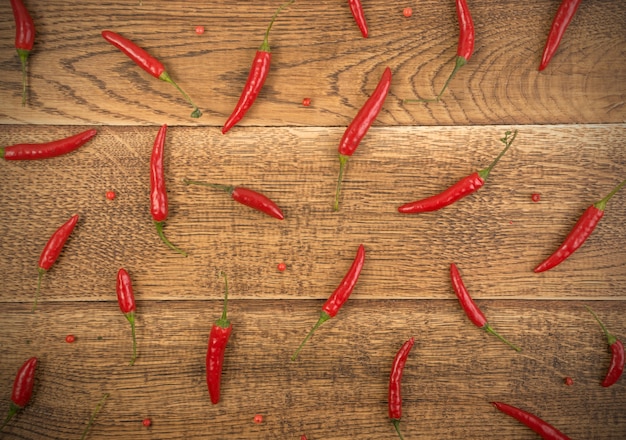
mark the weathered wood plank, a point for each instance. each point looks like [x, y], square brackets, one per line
[77, 78]
[496, 236]
[336, 389]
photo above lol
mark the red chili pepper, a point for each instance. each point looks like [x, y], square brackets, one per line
[158, 192]
[52, 250]
[579, 233]
[246, 197]
[395, 384]
[544, 429]
[360, 125]
[616, 367]
[460, 189]
[126, 301]
[465, 47]
[339, 296]
[47, 149]
[256, 77]
[562, 19]
[359, 16]
[471, 309]
[22, 388]
[220, 332]
[24, 38]
[148, 63]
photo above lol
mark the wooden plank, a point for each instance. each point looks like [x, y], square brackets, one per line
[496, 236]
[336, 389]
[75, 77]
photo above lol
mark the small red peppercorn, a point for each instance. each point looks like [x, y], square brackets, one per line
[199, 30]
[110, 195]
[568, 381]
[306, 102]
[146, 422]
[258, 418]
[535, 197]
[407, 12]
[281, 267]
[69, 339]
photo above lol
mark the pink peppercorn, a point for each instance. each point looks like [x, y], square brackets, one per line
[306, 102]
[69, 339]
[407, 12]
[258, 418]
[199, 30]
[110, 195]
[146, 422]
[281, 267]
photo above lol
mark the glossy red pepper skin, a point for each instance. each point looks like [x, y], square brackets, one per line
[337, 299]
[359, 16]
[48, 149]
[147, 62]
[472, 311]
[218, 338]
[159, 207]
[53, 248]
[126, 301]
[395, 384]
[464, 187]
[544, 429]
[583, 228]
[22, 388]
[24, 38]
[616, 367]
[358, 128]
[562, 19]
[256, 77]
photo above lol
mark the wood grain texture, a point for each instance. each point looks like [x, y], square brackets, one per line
[75, 77]
[496, 236]
[336, 389]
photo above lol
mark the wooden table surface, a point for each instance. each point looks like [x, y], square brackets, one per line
[570, 149]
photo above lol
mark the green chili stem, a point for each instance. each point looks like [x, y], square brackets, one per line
[601, 204]
[323, 318]
[265, 46]
[93, 415]
[460, 62]
[196, 111]
[343, 161]
[226, 188]
[130, 316]
[611, 339]
[159, 228]
[484, 173]
[490, 329]
[396, 424]
[223, 322]
[13, 409]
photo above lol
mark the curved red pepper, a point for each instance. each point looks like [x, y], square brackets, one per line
[24, 38]
[256, 77]
[562, 19]
[246, 197]
[359, 16]
[52, 250]
[360, 125]
[22, 388]
[159, 207]
[338, 298]
[147, 62]
[126, 301]
[616, 367]
[218, 338]
[48, 149]
[460, 189]
[583, 228]
[544, 429]
[469, 306]
[395, 384]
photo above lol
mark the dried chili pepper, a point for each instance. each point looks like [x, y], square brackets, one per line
[460, 189]
[218, 338]
[471, 309]
[95, 412]
[360, 125]
[395, 382]
[126, 301]
[52, 250]
[562, 19]
[359, 16]
[256, 78]
[48, 149]
[544, 429]
[616, 367]
[22, 389]
[158, 193]
[24, 38]
[246, 197]
[465, 47]
[583, 228]
[148, 63]
[339, 296]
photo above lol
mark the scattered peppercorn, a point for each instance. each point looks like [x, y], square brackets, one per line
[146, 422]
[535, 197]
[69, 339]
[568, 381]
[258, 418]
[281, 267]
[306, 102]
[407, 12]
[110, 195]
[199, 30]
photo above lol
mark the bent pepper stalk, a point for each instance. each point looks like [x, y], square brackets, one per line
[22, 389]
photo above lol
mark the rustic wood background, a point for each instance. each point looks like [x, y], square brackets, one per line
[570, 148]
